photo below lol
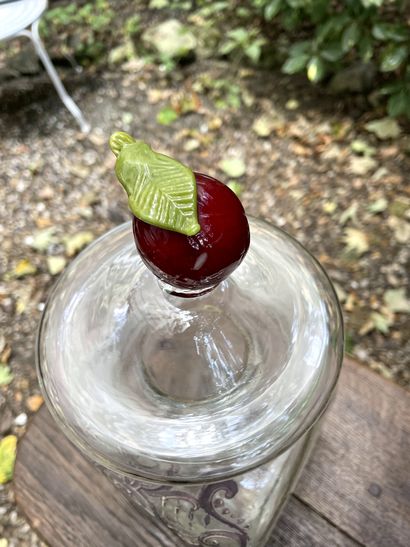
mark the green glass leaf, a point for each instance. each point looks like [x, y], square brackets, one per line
[392, 57]
[161, 191]
[118, 140]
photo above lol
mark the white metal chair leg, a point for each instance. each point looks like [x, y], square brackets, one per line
[34, 36]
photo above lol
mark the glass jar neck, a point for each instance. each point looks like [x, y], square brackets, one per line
[172, 291]
[194, 349]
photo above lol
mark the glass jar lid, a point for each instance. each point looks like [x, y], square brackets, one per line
[117, 359]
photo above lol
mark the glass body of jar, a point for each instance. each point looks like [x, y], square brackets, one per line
[202, 410]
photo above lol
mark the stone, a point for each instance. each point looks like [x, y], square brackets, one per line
[121, 53]
[20, 420]
[356, 78]
[171, 39]
[26, 61]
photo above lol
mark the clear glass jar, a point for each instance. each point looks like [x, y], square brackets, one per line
[201, 409]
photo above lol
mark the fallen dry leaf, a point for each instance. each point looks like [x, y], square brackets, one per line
[56, 264]
[329, 207]
[378, 321]
[292, 104]
[378, 206]
[23, 268]
[233, 167]
[341, 293]
[385, 128]
[34, 402]
[360, 146]
[156, 95]
[80, 171]
[360, 165]
[41, 240]
[5, 354]
[401, 229]
[356, 241]
[43, 222]
[265, 124]
[89, 198]
[97, 138]
[349, 213]
[350, 302]
[46, 193]
[191, 144]
[183, 102]
[7, 458]
[23, 299]
[396, 300]
[74, 244]
[215, 123]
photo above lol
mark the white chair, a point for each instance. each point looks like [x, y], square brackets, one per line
[21, 18]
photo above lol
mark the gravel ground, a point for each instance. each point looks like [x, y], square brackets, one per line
[349, 207]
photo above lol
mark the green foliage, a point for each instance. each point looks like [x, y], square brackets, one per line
[243, 40]
[225, 93]
[90, 22]
[339, 34]
[319, 38]
[132, 25]
[398, 93]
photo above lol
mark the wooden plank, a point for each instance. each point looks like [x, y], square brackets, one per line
[359, 475]
[353, 491]
[69, 502]
[300, 526]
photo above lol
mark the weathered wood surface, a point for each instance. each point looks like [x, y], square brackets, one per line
[354, 491]
[359, 476]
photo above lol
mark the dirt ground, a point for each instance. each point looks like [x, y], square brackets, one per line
[311, 167]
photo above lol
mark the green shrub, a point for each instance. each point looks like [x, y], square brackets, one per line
[318, 37]
[91, 22]
[321, 38]
[337, 34]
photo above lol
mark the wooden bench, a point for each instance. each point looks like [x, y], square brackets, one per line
[354, 491]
